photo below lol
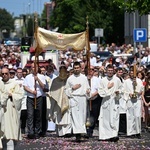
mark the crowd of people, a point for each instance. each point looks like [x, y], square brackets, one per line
[74, 96]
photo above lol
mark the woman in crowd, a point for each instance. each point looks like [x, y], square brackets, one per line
[146, 100]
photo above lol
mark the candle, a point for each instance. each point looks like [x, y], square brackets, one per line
[134, 70]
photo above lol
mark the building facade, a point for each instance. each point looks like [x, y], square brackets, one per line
[134, 20]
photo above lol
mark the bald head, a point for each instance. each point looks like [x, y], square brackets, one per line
[5, 74]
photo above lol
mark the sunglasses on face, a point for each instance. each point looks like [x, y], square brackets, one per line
[92, 69]
[4, 73]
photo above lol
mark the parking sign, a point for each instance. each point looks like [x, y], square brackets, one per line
[140, 35]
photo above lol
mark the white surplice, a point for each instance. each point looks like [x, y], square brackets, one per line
[133, 106]
[77, 102]
[11, 125]
[2, 90]
[109, 112]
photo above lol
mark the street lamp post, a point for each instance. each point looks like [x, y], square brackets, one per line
[134, 26]
[29, 4]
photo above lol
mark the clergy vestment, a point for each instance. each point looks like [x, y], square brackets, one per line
[133, 106]
[77, 102]
[109, 112]
[59, 105]
[2, 88]
[11, 106]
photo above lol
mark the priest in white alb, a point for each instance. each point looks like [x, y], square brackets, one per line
[11, 104]
[133, 89]
[78, 90]
[109, 90]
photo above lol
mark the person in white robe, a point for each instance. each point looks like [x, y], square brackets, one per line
[2, 90]
[109, 89]
[50, 73]
[78, 90]
[133, 104]
[11, 104]
[122, 105]
[23, 114]
[59, 108]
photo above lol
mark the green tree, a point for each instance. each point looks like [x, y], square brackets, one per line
[70, 17]
[6, 22]
[143, 6]
[30, 31]
[43, 18]
[63, 14]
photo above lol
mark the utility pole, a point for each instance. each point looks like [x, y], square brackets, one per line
[134, 26]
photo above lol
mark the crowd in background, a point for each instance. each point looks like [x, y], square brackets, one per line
[10, 58]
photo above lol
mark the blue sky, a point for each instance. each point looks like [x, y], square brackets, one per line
[23, 6]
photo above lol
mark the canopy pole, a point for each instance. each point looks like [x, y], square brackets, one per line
[89, 104]
[36, 56]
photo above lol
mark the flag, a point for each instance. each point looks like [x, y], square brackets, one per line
[47, 40]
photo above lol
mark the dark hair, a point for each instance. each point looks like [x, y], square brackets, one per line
[76, 64]
[19, 68]
[110, 66]
[119, 69]
[62, 63]
[42, 67]
[24, 70]
[131, 68]
[142, 73]
[50, 61]
[147, 83]
[62, 67]
[50, 68]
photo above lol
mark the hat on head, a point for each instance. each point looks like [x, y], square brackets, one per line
[12, 70]
[117, 60]
[4, 53]
[98, 56]
[6, 64]
[10, 66]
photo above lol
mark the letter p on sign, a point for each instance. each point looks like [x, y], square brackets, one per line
[140, 35]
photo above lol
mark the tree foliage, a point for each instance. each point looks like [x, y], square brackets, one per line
[6, 21]
[70, 17]
[143, 6]
[30, 26]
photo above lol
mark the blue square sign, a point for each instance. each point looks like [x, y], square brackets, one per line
[140, 35]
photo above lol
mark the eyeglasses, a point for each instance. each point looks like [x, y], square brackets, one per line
[92, 69]
[4, 73]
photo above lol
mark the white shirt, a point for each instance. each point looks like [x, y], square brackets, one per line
[145, 60]
[94, 84]
[92, 61]
[30, 82]
[99, 64]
